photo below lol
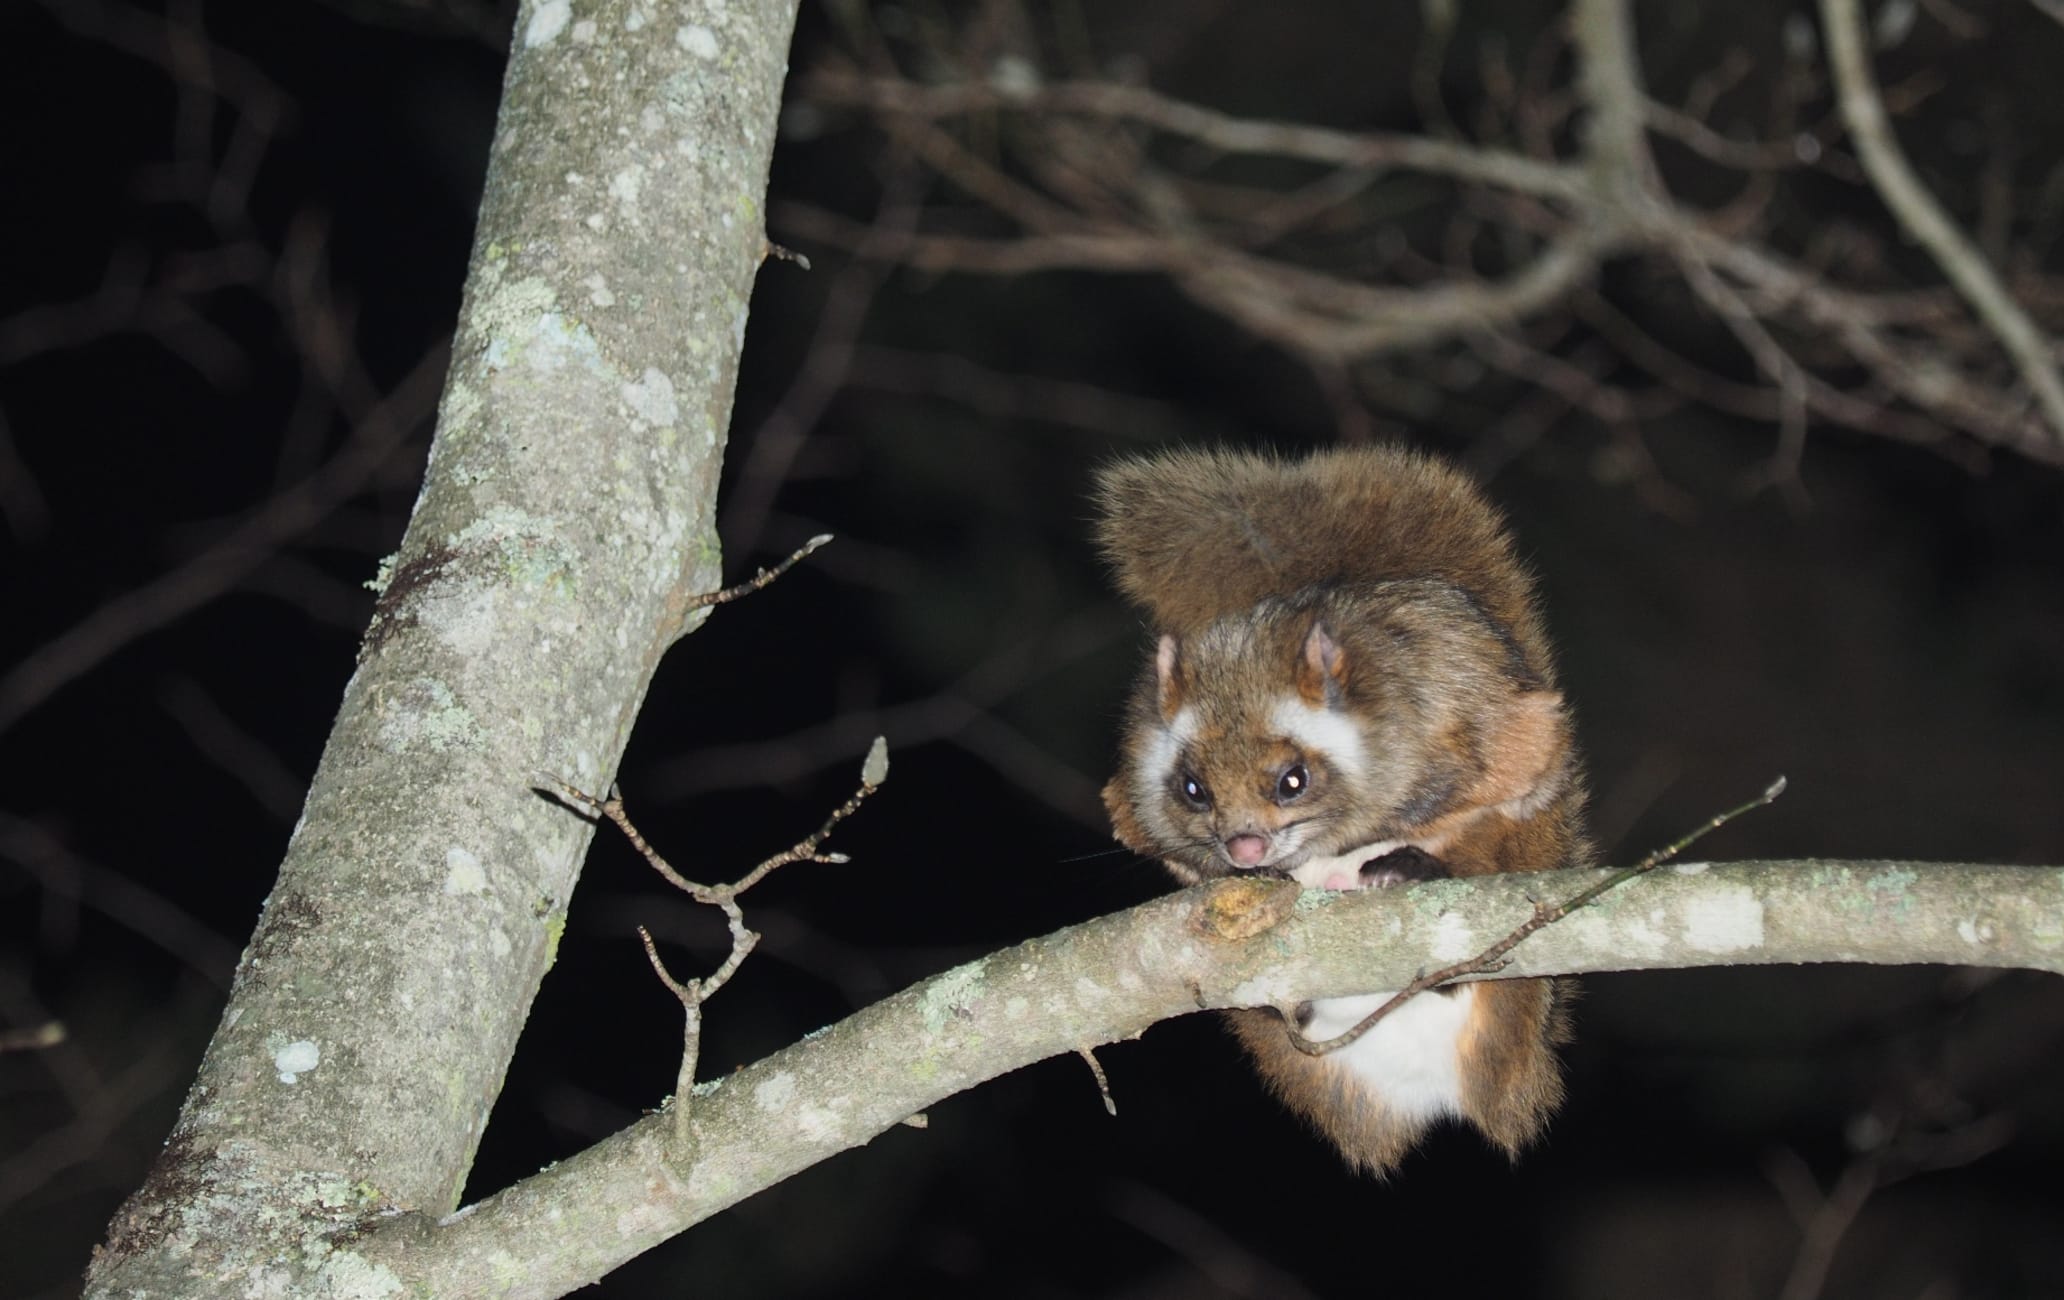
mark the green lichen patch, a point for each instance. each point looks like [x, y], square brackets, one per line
[1431, 898]
[425, 712]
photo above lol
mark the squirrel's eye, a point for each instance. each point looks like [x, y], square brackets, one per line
[1294, 782]
[1193, 792]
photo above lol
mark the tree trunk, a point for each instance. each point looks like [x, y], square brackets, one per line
[565, 521]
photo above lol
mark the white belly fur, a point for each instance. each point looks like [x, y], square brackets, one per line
[1411, 1059]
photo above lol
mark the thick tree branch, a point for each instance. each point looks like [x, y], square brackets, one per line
[1237, 943]
[1609, 77]
[561, 544]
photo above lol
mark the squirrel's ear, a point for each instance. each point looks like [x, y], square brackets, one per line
[1125, 827]
[1321, 668]
[1526, 754]
[1168, 672]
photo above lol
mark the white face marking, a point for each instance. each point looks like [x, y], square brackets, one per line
[1412, 1058]
[1158, 763]
[1321, 731]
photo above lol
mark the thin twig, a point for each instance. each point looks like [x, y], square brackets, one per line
[52, 1032]
[694, 992]
[1921, 216]
[758, 580]
[1823, 1219]
[612, 808]
[1784, 370]
[1103, 1083]
[805, 850]
[376, 436]
[691, 996]
[1209, 127]
[1493, 958]
[774, 447]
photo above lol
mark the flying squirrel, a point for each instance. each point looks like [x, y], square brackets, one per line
[1352, 687]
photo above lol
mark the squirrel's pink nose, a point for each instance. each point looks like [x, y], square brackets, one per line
[1246, 850]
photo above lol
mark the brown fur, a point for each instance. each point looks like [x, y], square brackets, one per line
[1378, 589]
[1196, 534]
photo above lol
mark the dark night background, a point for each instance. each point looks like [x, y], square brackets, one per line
[1885, 626]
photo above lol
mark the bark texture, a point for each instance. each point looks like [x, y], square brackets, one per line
[1232, 943]
[564, 524]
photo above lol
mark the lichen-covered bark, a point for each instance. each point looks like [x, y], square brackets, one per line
[1237, 943]
[564, 523]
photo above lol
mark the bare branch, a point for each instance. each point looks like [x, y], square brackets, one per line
[52, 1032]
[1811, 318]
[772, 448]
[1118, 974]
[1609, 77]
[1220, 131]
[117, 622]
[1823, 1219]
[1103, 1083]
[758, 580]
[75, 881]
[1384, 320]
[1493, 959]
[693, 993]
[1923, 217]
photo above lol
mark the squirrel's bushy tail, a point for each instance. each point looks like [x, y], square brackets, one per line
[1195, 534]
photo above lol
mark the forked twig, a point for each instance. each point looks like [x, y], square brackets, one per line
[1494, 958]
[694, 992]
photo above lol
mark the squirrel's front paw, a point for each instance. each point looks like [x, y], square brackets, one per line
[1400, 866]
